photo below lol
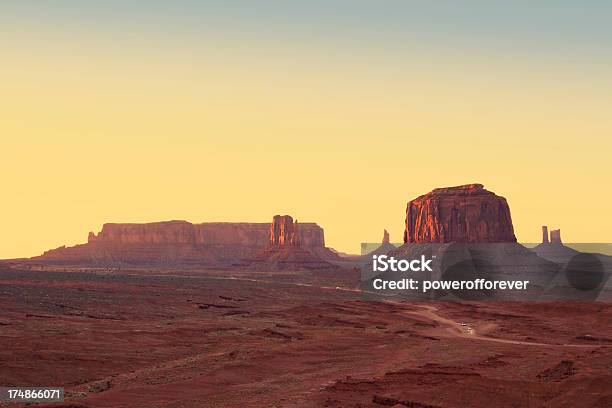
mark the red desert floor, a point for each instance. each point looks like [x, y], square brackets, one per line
[172, 338]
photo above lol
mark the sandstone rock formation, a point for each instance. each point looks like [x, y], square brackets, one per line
[283, 231]
[555, 236]
[179, 242]
[467, 232]
[210, 233]
[385, 247]
[385, 239]
[461, 214]
[544, 234]
[552, 248]
[285, 251]
[287, 258]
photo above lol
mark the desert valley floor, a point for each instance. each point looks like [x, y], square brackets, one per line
[189, 338]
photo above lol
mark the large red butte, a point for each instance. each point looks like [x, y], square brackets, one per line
[467, 213]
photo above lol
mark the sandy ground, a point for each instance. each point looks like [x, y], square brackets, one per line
[187, 338]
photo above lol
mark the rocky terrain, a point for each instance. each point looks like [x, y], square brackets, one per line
[285, 250]
[552, 248]
[461, 214]
[177, 243]
[467, 231]
[181, 338]
[141, 317]
[209, 233]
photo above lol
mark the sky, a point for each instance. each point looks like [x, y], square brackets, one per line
[337, 112]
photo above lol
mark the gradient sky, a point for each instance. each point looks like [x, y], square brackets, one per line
[336, 112]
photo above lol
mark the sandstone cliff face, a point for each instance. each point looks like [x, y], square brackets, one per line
[177, 232]
[285, 250]
[178, 242]
[213, 233]
[283, 231]
[467, 213]
[555, 236]
[544, 234]
[385, 239]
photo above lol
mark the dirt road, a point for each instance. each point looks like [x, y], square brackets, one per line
[452, 328]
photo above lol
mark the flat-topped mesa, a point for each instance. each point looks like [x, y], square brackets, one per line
[283, 231]
[180, 242]
[163, 232]
[467, 214]
[209, 233]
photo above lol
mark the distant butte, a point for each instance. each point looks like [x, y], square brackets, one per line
[462, 214]
[385, 239]
[286, 252]
[555, 236]
[180, 242]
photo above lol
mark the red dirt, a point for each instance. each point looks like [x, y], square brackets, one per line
[170, 338]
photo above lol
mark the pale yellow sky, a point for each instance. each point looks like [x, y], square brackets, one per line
[97, 132]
